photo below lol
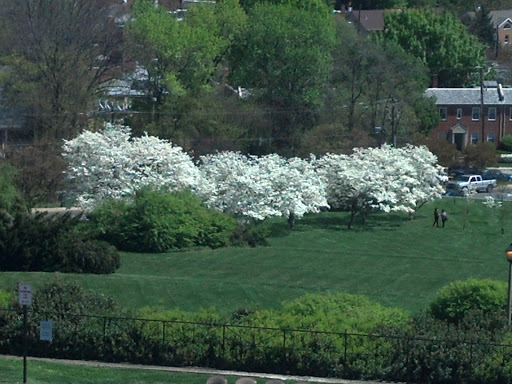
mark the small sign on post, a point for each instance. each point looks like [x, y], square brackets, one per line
[25, 299]
[25, 294]
[46, 330]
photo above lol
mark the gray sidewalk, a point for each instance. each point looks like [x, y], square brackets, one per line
[195, 370]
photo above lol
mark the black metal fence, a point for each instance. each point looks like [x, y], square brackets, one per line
[240, 347]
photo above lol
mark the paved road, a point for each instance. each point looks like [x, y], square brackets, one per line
[195, 370]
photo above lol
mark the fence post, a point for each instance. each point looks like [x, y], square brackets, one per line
[345, 346]
[104, 336]
[223, 341]
[25, 336]
[163, 331]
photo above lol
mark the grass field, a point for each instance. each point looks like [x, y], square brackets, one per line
[39, 372]
[392, 260]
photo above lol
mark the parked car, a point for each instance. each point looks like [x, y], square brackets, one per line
[459, 170]
[496, 174]
[470, 183]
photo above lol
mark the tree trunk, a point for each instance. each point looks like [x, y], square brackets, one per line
[291, 220]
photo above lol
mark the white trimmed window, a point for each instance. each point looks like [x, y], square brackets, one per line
[459, 113]
[475, 113]
[474, 138]
[491, 114]
[490, 137]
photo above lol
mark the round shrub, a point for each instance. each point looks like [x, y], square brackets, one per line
[155, 221]
[90, 256]
[506, 143]
[454, 301]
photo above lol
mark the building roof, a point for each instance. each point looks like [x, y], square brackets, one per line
[469, 96]
[371, 20]
[499, 17]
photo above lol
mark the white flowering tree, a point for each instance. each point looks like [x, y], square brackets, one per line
[385, 178]
[297, 188]
[111, 164]
[260, 187]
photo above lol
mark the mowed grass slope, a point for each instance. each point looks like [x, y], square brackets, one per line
[40, 372]
[393, 260]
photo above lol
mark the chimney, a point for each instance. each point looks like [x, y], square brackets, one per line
[501, 95]
[435, 80]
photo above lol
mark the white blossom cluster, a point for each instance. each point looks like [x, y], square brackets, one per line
[111, 164]
[263, 187]
[385, 178]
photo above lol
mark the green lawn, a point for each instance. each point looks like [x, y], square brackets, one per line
[393, 260]
[39, 372]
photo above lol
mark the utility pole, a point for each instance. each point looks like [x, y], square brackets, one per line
[482, 115]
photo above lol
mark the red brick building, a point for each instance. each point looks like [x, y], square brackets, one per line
[472, 115]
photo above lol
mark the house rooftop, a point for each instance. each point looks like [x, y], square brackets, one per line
[371, 20]
[469, 96]
[500, 16]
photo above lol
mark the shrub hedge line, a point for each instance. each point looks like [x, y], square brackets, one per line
[364, 340]
[47, 243]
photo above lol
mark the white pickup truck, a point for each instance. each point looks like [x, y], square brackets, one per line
[471, 183]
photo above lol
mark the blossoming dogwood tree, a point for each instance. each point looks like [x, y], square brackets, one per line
[260, 187]
[111, 164]
[385, 178]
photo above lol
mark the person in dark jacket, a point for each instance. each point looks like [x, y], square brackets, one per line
[436, 218]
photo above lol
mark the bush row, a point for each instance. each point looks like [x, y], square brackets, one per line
[51, 243]
[151, 221]
[364, 340]
[155, 221]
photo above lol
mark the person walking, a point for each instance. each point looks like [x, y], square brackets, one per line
[444, 216]
[436, 218]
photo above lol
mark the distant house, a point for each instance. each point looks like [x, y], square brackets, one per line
[365, 21]
[472, 115]
[502, 22]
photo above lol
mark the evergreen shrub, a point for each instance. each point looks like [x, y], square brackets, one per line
[506, 143]
[47, 243]
[455, 301]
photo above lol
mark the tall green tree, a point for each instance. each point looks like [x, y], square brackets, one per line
[440, 41]
[376, 87]
[184, 60]
[183, 56]
[284, 58]
[481, 26]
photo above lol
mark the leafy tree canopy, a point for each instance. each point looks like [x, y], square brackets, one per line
[440, 41]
